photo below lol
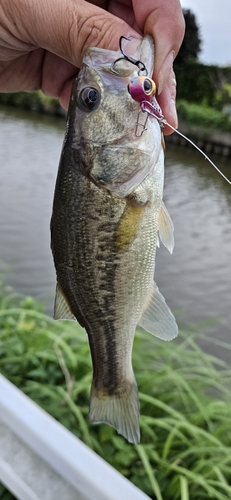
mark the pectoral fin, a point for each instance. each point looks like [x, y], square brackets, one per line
[166, 228]
[157, 317]
[61, 308]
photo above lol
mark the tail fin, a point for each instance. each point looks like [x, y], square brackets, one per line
[119, 411]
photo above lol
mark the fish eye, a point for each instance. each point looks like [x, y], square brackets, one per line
[88, 99]
[149, 86]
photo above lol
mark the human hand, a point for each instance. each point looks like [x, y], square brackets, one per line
[42, 42]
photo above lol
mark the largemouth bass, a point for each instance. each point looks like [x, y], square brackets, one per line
[107, 215]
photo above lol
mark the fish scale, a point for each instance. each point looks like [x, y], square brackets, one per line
[107, 212]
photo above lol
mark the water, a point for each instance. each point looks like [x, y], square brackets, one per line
[195, 280]
[29, 156]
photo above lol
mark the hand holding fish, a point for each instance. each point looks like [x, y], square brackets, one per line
[42, 43]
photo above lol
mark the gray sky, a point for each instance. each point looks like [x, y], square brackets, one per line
[214, 19]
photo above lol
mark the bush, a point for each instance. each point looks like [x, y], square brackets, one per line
[199, 83]
[203, 116]
[194, 82]
[34, 101]
[185, 449]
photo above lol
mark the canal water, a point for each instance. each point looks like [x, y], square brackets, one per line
[195, 280]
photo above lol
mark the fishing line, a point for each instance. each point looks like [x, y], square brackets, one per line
[198, 149]
[154, 110]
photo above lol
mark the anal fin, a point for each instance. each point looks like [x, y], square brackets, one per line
[157, 318]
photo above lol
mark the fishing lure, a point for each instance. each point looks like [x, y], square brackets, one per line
[142, 89]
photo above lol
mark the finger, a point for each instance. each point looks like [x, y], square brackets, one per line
[57, 78]
[165, 22]
[63, 27]
[167, 102]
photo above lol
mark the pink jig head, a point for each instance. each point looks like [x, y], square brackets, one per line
[142, 89]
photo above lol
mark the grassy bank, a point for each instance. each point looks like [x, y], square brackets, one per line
[185, 450]
[33, 101]
[203, 116]
[191, 113]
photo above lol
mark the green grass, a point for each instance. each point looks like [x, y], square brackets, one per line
[34, 101]
[185, 450]
[203, 116]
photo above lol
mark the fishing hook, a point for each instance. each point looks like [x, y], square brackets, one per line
[140, 65]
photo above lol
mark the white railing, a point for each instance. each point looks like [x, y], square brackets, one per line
[41, 460]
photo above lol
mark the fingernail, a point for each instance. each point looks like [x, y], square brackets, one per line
[165, 70]
[172, 101]
[173, 113]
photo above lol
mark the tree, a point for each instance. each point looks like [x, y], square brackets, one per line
[193, 80]
[191, 45]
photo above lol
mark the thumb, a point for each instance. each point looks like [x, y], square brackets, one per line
[64, 27]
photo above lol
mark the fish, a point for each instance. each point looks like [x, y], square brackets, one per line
[108, 218]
